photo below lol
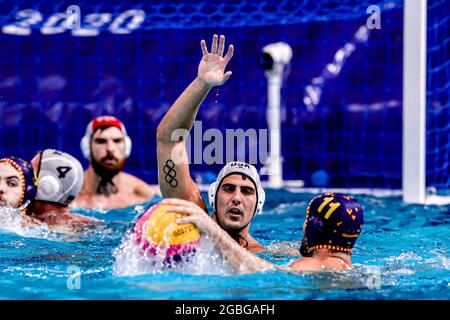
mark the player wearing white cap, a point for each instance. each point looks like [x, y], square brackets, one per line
[237, 195]
[59, 180]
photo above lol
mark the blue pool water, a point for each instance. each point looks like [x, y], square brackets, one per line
[406, 247]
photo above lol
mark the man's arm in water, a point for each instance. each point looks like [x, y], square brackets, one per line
[238, 257]
[173, 167]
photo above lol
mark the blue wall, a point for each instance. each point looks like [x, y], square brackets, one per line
[52, 85]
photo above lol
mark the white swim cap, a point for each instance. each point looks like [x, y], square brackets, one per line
[237, 167]
[99, 122]
[60, 177]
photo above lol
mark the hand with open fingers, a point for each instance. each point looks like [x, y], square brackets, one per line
[212, 66]
[195, 214]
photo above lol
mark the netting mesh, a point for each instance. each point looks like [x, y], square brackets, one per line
[199, 14]
[341, 103]
[438, 96]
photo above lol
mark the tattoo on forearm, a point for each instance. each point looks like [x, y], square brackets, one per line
[170, 173]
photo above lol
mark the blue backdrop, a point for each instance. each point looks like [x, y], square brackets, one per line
[52, 81]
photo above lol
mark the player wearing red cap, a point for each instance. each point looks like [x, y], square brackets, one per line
[107, 145]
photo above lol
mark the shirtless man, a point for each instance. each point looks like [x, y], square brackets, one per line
[106, 145]
[332, 225]
[237, 195]
[59, 180]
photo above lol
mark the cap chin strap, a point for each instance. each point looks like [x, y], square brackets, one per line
[232, 233]
[304, 250]
[24, 206]
[106, 184]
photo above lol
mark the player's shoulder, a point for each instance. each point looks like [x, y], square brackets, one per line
[129, 178]
[305, 263]
[137, 185]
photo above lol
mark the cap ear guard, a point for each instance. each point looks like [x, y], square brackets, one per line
[128, 145]
[85, 149]
[212, 195]
[261, 200]
[48, 187]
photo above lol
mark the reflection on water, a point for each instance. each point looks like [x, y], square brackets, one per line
[402, 253]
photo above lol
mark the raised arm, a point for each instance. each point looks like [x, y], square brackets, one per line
[238, 257]
[173, 164]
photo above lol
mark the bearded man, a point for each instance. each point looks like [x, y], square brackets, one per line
[107, 145]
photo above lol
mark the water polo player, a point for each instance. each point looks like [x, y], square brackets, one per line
[59, 180]
[17, 183]
[237, 194]
[107, 145]
[332, 226]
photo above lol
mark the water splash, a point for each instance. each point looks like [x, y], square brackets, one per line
[216, 101]
[285, 248]
[130, 261]
[11, 221]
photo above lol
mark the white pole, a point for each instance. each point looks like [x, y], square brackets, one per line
[414, 100]
[275, 169]
[280, 55]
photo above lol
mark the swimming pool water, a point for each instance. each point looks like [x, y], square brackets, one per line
[406, 247]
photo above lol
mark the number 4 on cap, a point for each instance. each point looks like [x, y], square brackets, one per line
[63, 171]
